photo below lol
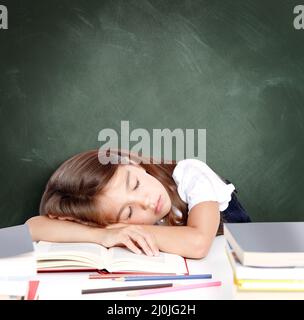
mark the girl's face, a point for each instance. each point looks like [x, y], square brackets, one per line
[134, 196]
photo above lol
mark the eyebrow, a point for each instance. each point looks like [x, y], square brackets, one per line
[127, 186]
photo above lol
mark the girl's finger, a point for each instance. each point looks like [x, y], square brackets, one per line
[152, 244]
[150, 241]
[141, 241]
[130, 245]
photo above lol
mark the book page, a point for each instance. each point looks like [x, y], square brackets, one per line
[85, 248]
[123, 254]
[122, 259]
[91, 254]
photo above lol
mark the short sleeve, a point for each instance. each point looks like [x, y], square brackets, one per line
[197, 182]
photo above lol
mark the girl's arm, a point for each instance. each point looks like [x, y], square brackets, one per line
[193, 240]
[56, 230]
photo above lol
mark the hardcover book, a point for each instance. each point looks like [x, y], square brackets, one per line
[267, 244]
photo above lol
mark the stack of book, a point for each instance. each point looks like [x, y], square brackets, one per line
[267, 259]
[17, 264]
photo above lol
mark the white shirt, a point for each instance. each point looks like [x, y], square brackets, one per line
[196, 182]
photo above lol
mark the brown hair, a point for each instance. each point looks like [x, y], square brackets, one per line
[71, 191]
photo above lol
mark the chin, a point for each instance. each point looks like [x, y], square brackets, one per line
[164, 214]
[167, 209]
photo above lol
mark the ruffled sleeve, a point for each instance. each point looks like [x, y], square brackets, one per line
[197, 182]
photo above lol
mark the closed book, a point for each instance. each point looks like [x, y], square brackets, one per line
[263, 279]
[270, 285]
[267, 244]
[52, 256]
[242, 272]
[17, 257]
[266, 295]
[17, 262]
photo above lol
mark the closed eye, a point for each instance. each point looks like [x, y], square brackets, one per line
[137, 185]
[130, 213]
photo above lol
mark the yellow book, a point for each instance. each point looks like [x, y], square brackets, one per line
[269, 285]
[266, 295]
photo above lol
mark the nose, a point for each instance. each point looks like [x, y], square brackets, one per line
[146, 202]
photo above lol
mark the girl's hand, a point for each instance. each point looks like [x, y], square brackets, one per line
[131, 236]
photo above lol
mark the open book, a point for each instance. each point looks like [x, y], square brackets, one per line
[53, 256]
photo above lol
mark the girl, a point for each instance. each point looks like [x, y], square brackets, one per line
[96, 197]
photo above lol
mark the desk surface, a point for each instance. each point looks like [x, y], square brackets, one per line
[67, 286]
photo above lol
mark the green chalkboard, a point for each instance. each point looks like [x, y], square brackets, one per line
[69, 68]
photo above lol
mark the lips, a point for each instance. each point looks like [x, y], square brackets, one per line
[158, 205]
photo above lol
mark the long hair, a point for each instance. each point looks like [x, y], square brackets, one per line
[72, 189]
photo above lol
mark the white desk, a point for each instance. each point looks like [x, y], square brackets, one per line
[67, 286]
